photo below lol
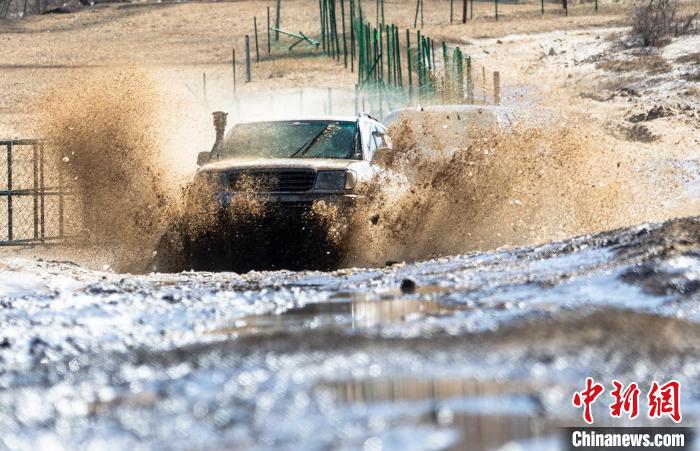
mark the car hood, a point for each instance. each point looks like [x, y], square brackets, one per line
[278, 163]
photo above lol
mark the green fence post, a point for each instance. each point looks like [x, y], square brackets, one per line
[389, 55]
[335, 31]
[360, 50]
[419, 61]
[352, 36]
[397, 56]
[408, 64]
[431, 51]
[378, 57]
[370, 49]
[446, 76]
[345, 42]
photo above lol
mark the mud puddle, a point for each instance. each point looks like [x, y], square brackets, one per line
[473, 414]
[478, 351]
[343, 311]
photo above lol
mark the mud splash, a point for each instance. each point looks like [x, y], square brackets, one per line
[482, 189]
[104, 131]
[470, 189]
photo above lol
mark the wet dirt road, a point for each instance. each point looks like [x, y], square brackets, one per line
[477, 352]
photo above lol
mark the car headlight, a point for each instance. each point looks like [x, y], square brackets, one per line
[350, 179]
[330, 181]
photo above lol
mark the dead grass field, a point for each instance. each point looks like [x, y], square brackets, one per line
[188, 39]
[181, 42]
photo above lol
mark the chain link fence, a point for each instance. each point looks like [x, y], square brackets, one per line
[35, 207]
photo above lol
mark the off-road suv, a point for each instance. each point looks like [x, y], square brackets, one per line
[295, 162]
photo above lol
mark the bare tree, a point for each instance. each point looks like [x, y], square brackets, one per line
[5, 8]
[658, 20]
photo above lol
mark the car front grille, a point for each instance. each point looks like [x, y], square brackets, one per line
[272, 181]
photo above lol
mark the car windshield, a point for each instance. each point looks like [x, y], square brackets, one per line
[291, 139]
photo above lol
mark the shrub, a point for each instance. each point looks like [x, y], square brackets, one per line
[654, 23]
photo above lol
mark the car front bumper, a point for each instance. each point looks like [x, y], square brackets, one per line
[291, 200]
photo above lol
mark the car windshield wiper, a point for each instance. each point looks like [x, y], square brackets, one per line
[305, 148]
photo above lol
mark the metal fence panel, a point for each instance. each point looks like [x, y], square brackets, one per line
[32, 195]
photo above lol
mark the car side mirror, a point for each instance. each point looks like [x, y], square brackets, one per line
[382, 156]
[202, 158]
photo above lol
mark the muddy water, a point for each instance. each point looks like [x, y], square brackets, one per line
[479, 351]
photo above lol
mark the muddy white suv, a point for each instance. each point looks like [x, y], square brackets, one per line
[295, 162]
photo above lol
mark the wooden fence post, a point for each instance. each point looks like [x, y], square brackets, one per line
[277, 20]
[268, 32]
[470, 81]
[257, 49]
[233, 66]
[247, 59]
[330, 102]
[377, 19]
[421, 13]
[497, 88]
[415, 19]
[204, 87]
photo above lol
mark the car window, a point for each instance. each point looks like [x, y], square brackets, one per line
[380, 139]
[376, 139]
[372, 142]
[290, 139]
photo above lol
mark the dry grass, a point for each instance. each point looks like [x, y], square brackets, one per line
[692, 76]
[652, 63]
[692, 58]
[655, 22]
[204, 33]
